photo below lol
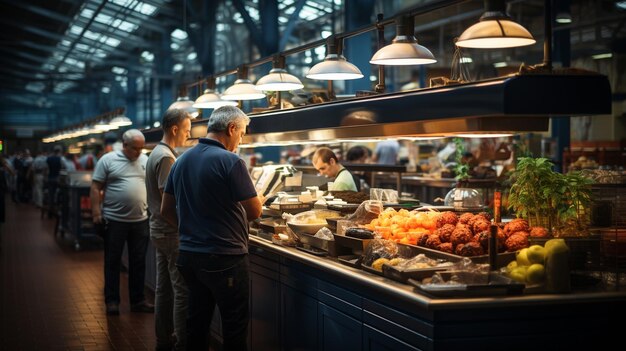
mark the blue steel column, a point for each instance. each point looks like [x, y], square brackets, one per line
[358, 50]
[268, 10]
[163, 60]
[562, 53]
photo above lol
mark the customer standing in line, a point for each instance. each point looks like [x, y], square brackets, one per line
[121, 176]
[6, 171]
[210, 197]
[171, 290]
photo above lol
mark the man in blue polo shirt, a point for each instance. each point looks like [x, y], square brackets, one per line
[210, 197]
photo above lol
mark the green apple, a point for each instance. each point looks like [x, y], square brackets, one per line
[556, 244]
[518, 274]
[522, 257]
[536, 273]
[511, 266]
[536, 254]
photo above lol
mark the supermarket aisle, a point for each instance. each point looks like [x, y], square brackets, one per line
[51, 296]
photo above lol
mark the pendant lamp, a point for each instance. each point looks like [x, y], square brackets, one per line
[495, 30]
[404, 49]
[335, 66]
[211, 99]
[278, 79]
[184, 103]
[242, 89]
[120, 120]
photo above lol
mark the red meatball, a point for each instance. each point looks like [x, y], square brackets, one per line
[483, 239]
[538, 232]
[460, 235]
[516, 242]
[446, 247]
[486, 215]
[445, 232]
[465, 217]
[433, 241]
[447, 217]
[422, 240]
[481, 225]
[471, 249]
[516, 225]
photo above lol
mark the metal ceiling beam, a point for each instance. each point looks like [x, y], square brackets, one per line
[34, 30]
[41, 11]
[143, 21]
[291, 23]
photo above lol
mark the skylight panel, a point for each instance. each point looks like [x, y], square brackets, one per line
[74, 29]
[36, 87]
[178, 67]
[111, 41]
[119, 70]
[308, 14]
[104, 19]
[146, 9]
[285, 3]
[147, 56]
[124, 25]
[179, 34]
[253, 12]
[87, 13]
[66, 43]
[82, 47]
[192, 56]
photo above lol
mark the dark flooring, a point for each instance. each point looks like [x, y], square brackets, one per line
[51, 296]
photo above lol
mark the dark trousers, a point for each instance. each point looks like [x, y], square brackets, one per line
[136, 235]
[221, 280]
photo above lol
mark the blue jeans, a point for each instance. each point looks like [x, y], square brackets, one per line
[221, 280]
[171, 295]
[136, 235]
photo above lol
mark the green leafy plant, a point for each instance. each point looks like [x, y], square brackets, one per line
[549, 198]
[461, 170]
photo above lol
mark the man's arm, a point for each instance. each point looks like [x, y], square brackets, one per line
[253, 207]
[168, 209]
[94, 194]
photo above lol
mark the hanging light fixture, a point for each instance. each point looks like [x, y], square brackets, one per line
[211, 99]
[184, 103]
[404, 49]
[242, 89]
[335, 66]
[279, 79]
[495, 30]
[120, 120]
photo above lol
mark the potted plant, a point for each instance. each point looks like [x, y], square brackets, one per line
[532, 191]
[550, 199]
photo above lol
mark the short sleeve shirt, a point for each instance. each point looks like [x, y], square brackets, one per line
[209, 183]
[124, 187]
[344, 181]
[158, 168]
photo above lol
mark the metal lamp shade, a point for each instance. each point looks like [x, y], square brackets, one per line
[279, 80]
[183, 103]
[121, 121]
[242, 89]
[210, 99]
[495, 33]
[334, 67]
[403, 51]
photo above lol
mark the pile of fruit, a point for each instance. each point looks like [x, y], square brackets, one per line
[464, 235]
[542, 265]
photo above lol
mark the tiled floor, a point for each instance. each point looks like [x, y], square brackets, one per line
[51, 296]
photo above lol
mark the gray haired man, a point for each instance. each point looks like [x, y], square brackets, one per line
[121, 175]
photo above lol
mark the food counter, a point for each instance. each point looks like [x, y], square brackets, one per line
[305, 302]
